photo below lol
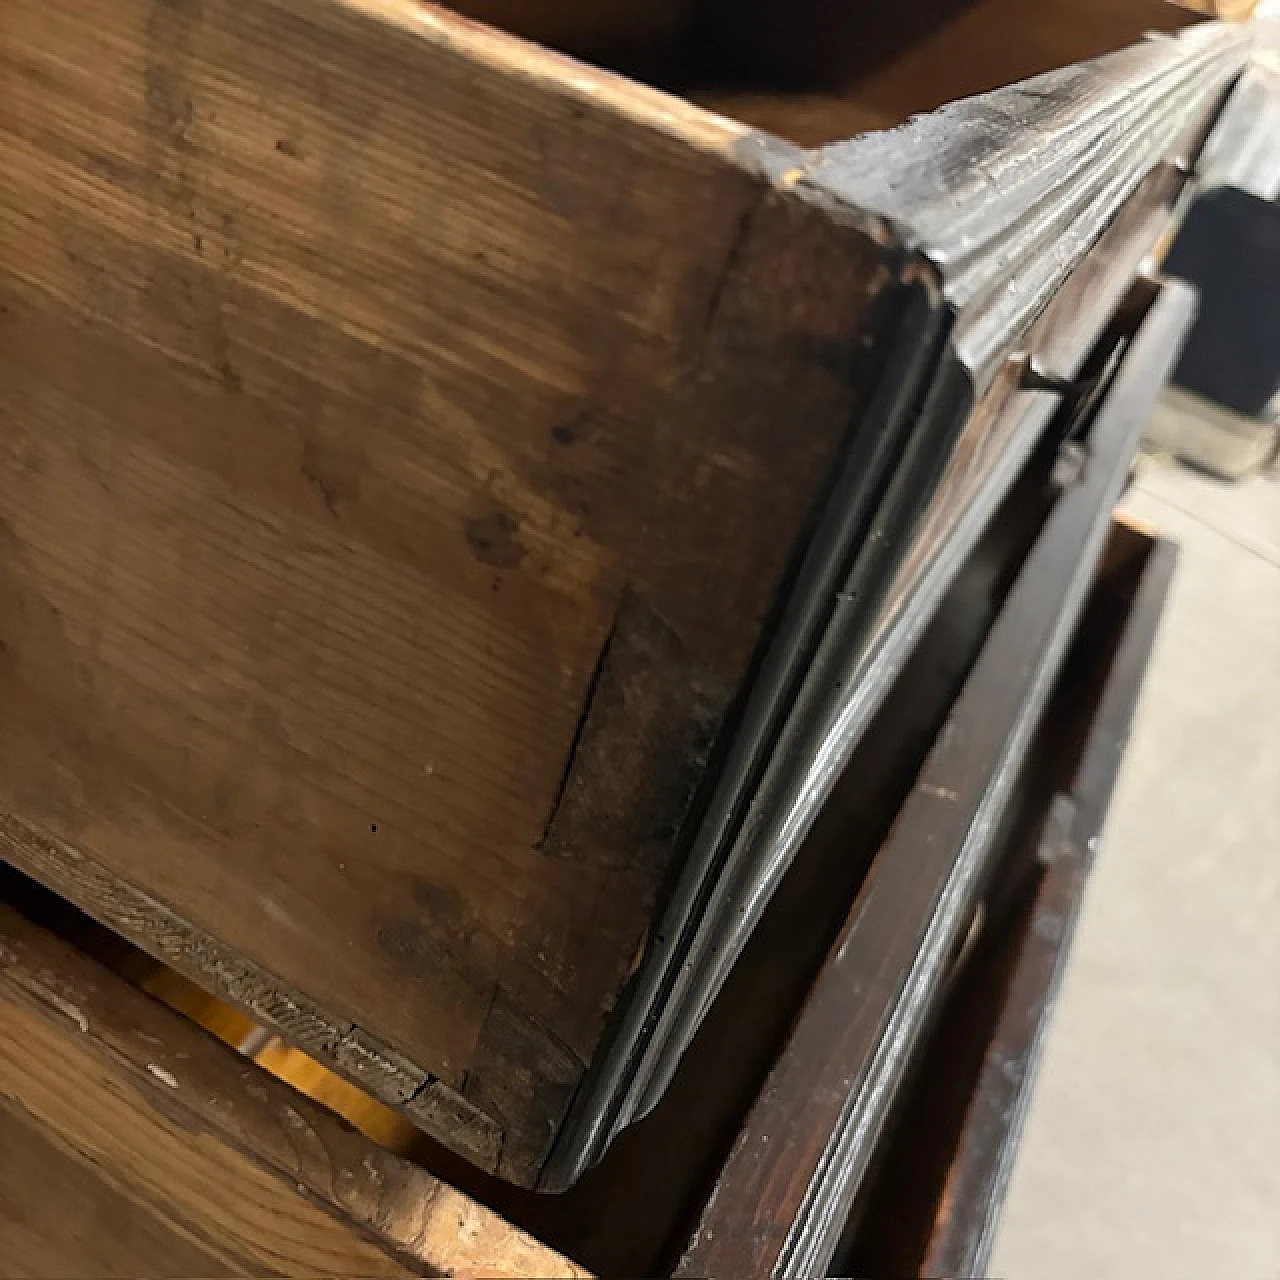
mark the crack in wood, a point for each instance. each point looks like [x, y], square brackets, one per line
[571, 757]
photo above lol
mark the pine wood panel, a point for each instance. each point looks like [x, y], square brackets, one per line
[405, 436]
[59, 1217]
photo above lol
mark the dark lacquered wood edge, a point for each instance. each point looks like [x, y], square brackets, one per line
[787, 1187]
[1073, 143]
[982, 276]
[969, 1209]
[150, 925]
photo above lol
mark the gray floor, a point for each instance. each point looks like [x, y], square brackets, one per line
[1153, 1144]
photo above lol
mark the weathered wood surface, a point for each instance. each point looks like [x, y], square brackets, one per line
[412, 441]
[402, 450]
[1023, 180]
[780, 1203]
[676, 1152]
[132, 1143]
[973, 1195]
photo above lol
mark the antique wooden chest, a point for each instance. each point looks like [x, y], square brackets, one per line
[462, 508]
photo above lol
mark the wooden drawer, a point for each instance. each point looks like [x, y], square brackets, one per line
[801, 1127]
[890, 1111]
[958, 851]
[445, 487]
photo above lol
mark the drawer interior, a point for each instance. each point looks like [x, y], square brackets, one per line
[815, 71]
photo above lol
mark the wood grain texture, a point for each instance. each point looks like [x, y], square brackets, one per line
[1019, 187]
[1022, 181]
[401, 446]
[60, 1217]
[187, 1159]
[676, 1152]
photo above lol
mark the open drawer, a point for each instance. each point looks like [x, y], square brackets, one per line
[443, 482]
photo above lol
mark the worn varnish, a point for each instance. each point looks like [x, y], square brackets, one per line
[132, 1143]
[1021, 184]
[405, 434]
[779, 1205]
[411, 442]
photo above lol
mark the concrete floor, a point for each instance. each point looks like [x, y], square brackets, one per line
[1153, 1144]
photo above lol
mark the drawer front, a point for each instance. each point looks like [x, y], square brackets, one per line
[782, 1202]
[1023, 241]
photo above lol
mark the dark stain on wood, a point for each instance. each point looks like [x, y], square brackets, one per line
[58, 1211]
[494, 539]
[292, 418]
[426, 928]
[644, 739]
[333, 465]
[800, 1159]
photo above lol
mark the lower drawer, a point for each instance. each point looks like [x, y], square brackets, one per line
[133, 1143]
[931, 1204]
